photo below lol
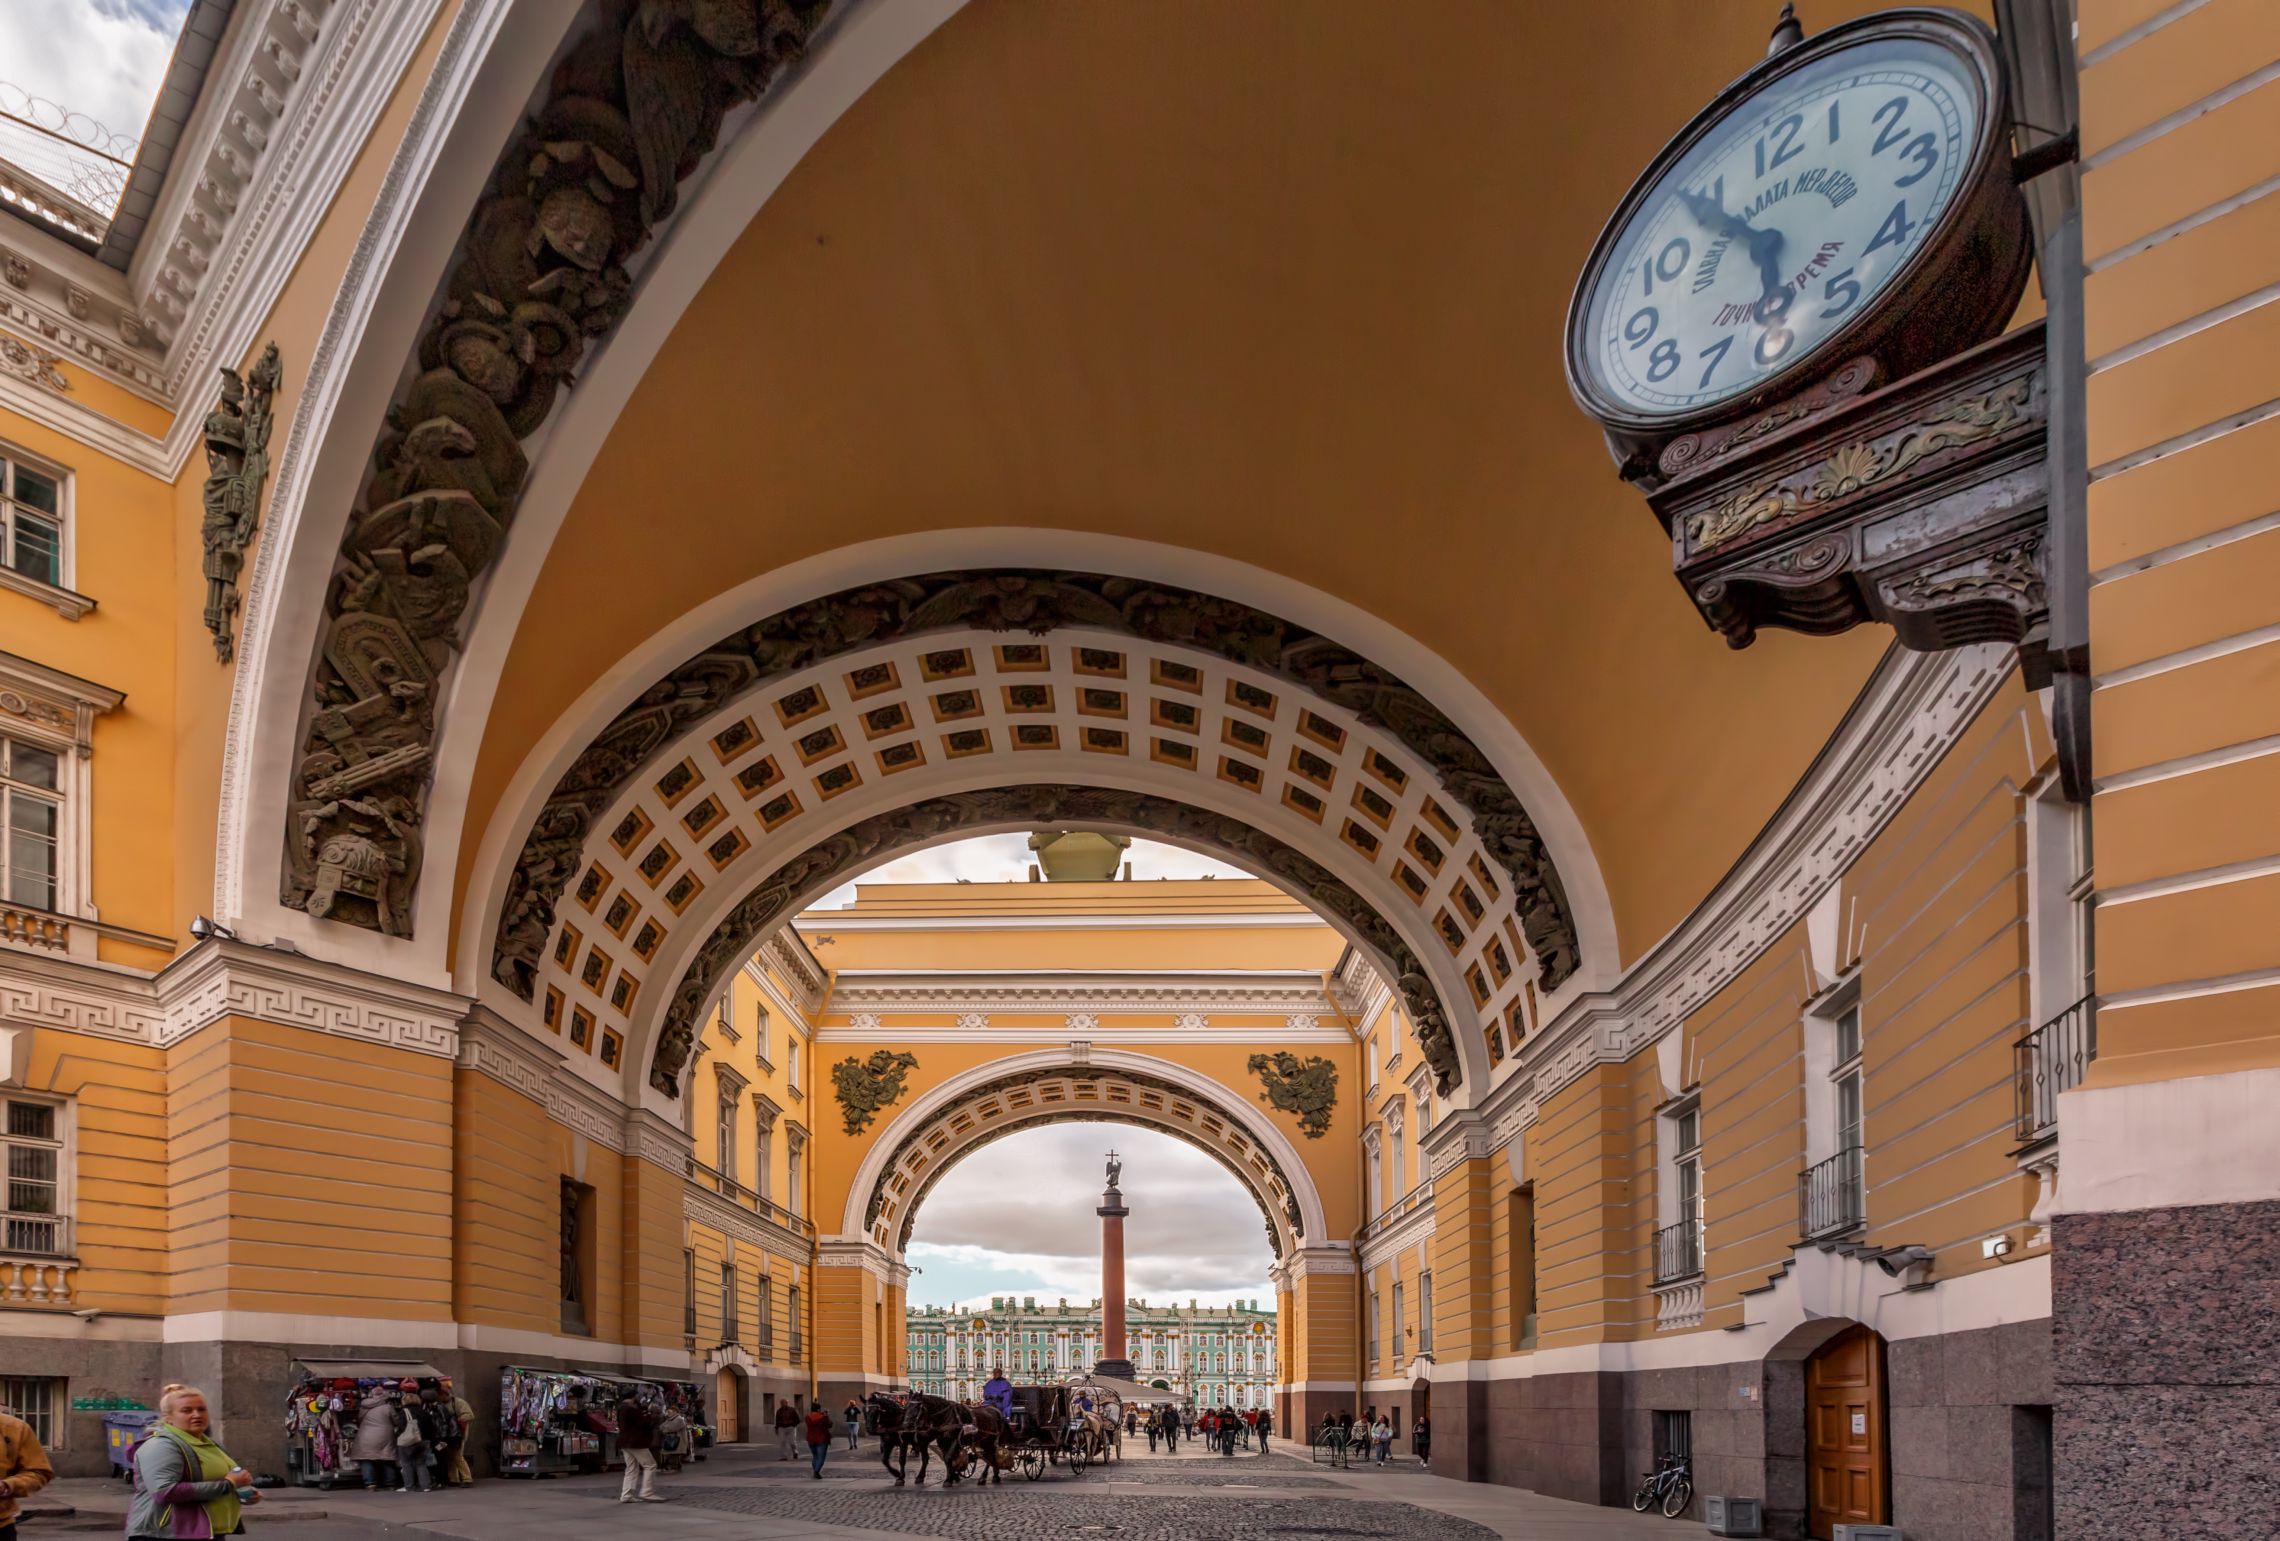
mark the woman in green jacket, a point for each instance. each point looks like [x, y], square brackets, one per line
[186, 1486]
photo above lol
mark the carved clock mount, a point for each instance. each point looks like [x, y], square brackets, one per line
[1789, 333]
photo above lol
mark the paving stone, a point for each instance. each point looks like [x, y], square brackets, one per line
[1047, 1508]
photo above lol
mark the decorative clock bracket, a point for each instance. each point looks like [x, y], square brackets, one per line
[1922, 503]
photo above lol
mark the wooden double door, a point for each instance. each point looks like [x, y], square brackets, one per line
[1847, 1465]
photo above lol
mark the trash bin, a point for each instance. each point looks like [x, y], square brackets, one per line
[121, 1428]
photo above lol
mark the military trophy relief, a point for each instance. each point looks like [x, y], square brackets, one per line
[1792, 334]
[237, 464]
[541, 278]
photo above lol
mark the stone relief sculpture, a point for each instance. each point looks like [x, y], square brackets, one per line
[1036, 602]
[789, 888]
[237, 463]
[541, 277]
[865, 1086]
[1307, 1087]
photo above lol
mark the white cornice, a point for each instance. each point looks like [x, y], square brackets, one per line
[222, 978]
[822, 923]
[1283, 993]
[1910, 714]
[705, 1207]
[288, 105]
[1321, 1037]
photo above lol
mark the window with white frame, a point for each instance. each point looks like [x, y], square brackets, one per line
[767, 1315]
[726, 1152]
[1425, 1312]
[1376, 1339]
[1400, 1327]
[728, 1310]
[31, 811]
[32, 521]
[2061, 1038]
[763, 1146]
[1678, 1237]
[1831, 1192]
[760, 1032]
[792, 1061]
[36, 1221]
[1373, 1143]
[795, 1147]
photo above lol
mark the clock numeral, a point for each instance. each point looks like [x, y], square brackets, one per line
[1785, 146]
[1663, 362]
[1772, 343]
[1714, 353]
[1841, 293]
[1924, 151]
[1889, 115]
[1640, 329]
[1668, 263]
[1893, 232]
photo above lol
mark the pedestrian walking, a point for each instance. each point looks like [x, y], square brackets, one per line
[1171, 1432]
[1421, 1439]
[854, 1417]
[447, 1436]
[1381, 1438]
[24, 1468]
[673, 1440]
[184, 1483]
[1266, 1427]
[455, 1472]
[1155, 1428]
[818, 1437]
[637, 1422]
[787, 1429]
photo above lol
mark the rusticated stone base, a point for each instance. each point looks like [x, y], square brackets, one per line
[2167, 1361]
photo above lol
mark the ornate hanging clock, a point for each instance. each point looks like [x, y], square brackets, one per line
[1785, 332]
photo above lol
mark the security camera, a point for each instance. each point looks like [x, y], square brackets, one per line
[205, 929]
[1907, 1264]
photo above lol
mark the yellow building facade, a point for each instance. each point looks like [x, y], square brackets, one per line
[996, 418]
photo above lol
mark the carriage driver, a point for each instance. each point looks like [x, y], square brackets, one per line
[998, 1392]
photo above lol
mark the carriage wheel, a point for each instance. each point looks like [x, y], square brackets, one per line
[1076, 1457]
[1032, 1462]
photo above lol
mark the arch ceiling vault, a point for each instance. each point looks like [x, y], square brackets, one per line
[1012, 281]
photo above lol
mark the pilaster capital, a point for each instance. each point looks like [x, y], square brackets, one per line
[220, 978]
[1461, 1136]
[656, 1139]
[860, 1252]
[491, 1045]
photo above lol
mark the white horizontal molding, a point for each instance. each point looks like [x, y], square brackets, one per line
[817, 926]
[1103, 1033]
[1230, 991]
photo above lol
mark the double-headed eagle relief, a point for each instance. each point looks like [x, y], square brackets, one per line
[1307, 1087]
[867, 1087]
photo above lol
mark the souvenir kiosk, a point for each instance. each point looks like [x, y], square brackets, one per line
[556, 1421]
[320, 1416]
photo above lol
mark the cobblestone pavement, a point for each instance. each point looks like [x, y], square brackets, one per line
[1121, 1515]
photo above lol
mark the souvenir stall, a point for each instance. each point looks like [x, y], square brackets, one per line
[320, 1417]
[557, 1421]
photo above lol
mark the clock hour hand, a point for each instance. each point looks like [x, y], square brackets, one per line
[1764, 246]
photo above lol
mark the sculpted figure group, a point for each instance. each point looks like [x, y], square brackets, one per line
[541, 277]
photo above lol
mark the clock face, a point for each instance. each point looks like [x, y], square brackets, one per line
[1780, 224]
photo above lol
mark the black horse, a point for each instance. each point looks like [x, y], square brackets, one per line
[883, 1420]
[924, 1423]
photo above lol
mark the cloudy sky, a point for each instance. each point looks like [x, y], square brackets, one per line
[1016, 1218]
[103, 58]
[1006, 859]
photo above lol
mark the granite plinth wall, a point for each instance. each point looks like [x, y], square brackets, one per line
[1970, 1417]
[2166, 1357]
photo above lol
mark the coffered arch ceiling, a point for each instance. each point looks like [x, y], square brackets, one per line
[1249, 282]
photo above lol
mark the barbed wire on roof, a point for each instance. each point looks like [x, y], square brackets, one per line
[71, 151]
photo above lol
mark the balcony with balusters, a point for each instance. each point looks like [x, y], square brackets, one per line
[1678, 1276]
[37, 1263]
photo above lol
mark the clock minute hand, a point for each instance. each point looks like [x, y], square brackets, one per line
[1764, 245]
[1713, 216]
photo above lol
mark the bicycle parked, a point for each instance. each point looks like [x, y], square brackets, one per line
[1671, 1483]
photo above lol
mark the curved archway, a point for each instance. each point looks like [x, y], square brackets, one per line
[907, 1156]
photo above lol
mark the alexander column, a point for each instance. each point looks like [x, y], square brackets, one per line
[1112, 1335]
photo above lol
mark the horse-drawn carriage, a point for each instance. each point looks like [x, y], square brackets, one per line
[1078, 1424]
